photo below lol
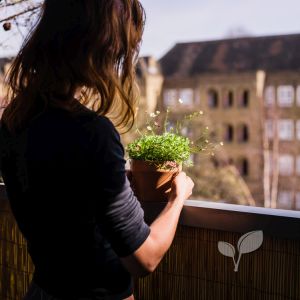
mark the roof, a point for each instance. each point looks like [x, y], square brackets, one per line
[270, 53]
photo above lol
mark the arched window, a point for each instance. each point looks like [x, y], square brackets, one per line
[243, 167]
[243, 133]
[228, 100]
[213, 99]
[228, 133]
[245, 99]
[215, 162]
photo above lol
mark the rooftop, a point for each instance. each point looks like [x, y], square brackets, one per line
[270, 53]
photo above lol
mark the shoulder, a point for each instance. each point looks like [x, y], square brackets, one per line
[101, 126]
[103, 137]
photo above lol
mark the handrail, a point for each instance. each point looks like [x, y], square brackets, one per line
[234, 218]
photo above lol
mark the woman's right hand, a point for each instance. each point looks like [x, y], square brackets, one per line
[147, 257]
[182, 187]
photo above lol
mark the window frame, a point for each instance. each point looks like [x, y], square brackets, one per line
[288, 204]
[298, 95]
[283, 97]
[192, 96]
[166, 95]
[213, 102]
[269, 96]
[282, 128]
[286, 163]
[298, 130]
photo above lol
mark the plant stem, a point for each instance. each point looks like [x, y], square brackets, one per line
[166, 119]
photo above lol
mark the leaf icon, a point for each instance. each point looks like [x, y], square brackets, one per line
[250, 242]
[226, 249]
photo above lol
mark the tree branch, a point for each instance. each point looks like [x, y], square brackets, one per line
[14, 3]
[30, 9]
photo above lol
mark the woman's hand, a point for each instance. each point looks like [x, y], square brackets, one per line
[145, 259]
[182, 187]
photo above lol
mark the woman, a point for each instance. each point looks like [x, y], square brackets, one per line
[62, 160]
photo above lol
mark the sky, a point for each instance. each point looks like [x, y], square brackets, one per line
[172, 21]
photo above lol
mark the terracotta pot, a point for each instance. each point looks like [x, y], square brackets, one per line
[149, 183]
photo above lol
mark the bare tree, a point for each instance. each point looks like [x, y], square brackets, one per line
[275, 158]
[270, 149]
[260, 87]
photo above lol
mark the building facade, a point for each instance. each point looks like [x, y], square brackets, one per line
[249, 90]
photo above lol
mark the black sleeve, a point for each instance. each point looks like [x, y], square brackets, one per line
[119, 213]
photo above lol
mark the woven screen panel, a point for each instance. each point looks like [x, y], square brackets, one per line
[193, 269]
[16, 267]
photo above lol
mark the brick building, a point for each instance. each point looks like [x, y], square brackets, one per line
[250, 90]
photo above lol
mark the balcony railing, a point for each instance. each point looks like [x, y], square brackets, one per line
[193, 268]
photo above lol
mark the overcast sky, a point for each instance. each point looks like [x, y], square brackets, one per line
[171, 21]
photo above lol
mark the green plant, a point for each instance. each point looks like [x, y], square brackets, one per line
[166, 146]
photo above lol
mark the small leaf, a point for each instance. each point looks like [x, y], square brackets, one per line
[250, 241]
[226, 249]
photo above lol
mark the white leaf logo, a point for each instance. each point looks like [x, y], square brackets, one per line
[226, 249]
[250, 242]
[247, 243]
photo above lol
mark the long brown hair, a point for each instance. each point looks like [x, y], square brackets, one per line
[77, 43]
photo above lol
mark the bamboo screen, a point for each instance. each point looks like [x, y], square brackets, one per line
[16, 268]
[192, 269]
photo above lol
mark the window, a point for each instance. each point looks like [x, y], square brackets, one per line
[213, 99]
[269, 128]
[187, 96]
[243, 133]
[229, 133]
[244, 102]
[215, 162]
[298, 95]
[243, 167]
[298, 200]
[298, 165]
[213, 135]
[269, 96]
[285, 95]
[285, 200]
[170, 97]
[286, 129]
[228, 99]
[286, 165]
[298, 129]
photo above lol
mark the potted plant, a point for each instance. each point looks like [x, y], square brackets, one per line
[160, 152]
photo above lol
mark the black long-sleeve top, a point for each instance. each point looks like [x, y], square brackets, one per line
[67, 186]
